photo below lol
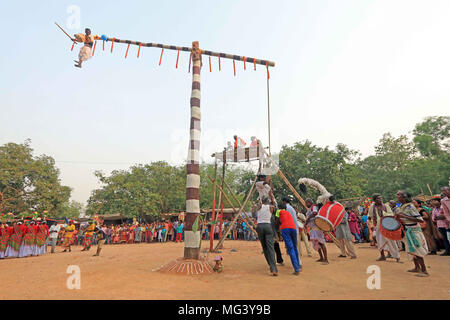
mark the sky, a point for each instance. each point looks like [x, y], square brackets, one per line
[346, 71]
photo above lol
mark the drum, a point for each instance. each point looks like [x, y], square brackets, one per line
[390, 228]
[329, 216]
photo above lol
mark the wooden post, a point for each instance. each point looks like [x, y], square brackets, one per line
[221, 203]
[191, 238]
[252, 189]
[213, 214]
[429, 189]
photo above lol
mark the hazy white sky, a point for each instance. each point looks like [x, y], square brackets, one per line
[346, 71]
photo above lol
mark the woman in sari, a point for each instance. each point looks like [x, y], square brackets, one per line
[131, 233]
[15, 240]
[144, 233]
[88, 236]
[123, 235]
[4, 239]
[116, 234]
[138, 234]
[41, 239]
[27, 249]
[68, 236]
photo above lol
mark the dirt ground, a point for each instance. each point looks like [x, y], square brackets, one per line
[126, 272]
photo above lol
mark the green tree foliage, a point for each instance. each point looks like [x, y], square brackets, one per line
[432, 136]
[336, 169]
[31, 183]
[70, 209]
[157, 188]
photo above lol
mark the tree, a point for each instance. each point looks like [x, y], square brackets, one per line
[127, 192]
[387, 171]
[336, 169]
[432, 136]
[70, 209]
[32, 183]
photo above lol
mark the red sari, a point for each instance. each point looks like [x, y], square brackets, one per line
[123, 235]
[4, 239]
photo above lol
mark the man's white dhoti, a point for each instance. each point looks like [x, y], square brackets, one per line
[386, 244]
[85, 53]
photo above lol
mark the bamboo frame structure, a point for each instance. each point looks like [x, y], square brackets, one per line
[234, 209]
[252, 189]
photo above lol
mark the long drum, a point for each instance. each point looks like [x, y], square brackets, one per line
[329, 216]
[390, 228]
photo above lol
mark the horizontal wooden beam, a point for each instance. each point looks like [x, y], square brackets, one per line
[249, 60]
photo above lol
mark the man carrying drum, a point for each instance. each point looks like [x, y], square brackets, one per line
[377, 210]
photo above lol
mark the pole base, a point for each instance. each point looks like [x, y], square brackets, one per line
[189, 267]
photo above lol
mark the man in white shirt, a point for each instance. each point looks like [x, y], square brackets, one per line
[54, 231]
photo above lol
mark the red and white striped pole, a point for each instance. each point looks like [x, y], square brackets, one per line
[191, 238]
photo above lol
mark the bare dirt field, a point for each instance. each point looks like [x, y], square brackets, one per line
[125, 272]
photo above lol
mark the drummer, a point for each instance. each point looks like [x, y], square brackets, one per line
[316, 235]
[377, 210]
[415, 242]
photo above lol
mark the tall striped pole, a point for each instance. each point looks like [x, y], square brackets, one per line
[191, 238]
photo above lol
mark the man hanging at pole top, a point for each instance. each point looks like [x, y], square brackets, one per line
[86, 50]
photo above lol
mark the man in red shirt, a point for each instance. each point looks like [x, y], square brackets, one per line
[289, 233]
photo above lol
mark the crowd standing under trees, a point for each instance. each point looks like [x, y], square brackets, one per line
[30, 185]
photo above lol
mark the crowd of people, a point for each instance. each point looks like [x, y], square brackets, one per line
[426, 230]
[424, 227]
